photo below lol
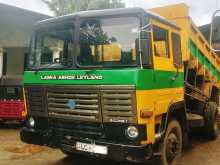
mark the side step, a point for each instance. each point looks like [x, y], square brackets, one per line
[195, 121]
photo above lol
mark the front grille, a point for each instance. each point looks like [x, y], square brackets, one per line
[87, 104]
[76, 129]
[95, 107]
[118, 106]
[35, 97]
[92, 103]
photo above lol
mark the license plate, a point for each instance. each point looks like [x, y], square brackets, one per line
[92, 148]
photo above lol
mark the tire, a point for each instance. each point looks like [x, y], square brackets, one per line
[2, 122]
[22, 123]
[172, 144]
[211, 128]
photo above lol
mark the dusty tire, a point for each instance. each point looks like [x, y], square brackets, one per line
[171, 146]
[211, 128]
[2, 122]
[22, 123]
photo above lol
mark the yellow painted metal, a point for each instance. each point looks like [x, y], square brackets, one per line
[179, 14]
[111, 52]
[159, 101]
[164, 63]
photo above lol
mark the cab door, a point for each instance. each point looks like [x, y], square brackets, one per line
[168, 78]
[161, 49]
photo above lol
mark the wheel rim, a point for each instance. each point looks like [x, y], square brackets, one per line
[172, 147]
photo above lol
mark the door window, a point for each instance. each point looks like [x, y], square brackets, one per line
[161, 44]
[177, 53]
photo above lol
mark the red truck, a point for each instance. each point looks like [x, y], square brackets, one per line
[12, 105]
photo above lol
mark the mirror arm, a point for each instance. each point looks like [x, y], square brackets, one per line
[142, 29]
[140, 51]
[211, 34]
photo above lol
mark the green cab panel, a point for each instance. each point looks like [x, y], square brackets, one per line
[143, 79]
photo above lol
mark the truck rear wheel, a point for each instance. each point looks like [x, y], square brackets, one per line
[171, 147]
[211, 128]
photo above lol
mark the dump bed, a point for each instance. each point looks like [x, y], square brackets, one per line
[196, 49]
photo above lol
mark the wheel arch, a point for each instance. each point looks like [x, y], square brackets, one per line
[176, 111]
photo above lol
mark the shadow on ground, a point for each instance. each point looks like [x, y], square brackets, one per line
[199, 151]
[86, 161]
[195, 142]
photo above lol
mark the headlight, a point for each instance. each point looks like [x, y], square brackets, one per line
[132, 132]
[31, 122]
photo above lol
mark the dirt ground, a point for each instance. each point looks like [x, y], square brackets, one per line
[13, 151]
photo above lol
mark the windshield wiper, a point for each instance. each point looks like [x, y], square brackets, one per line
[104, 67]
[47, 66]
[91, 66]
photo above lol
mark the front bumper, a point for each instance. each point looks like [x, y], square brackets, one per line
[31, 136]
[118, 152]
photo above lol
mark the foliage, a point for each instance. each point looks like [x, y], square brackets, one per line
[63, 7]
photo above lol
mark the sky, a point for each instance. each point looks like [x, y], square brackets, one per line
[200, 10]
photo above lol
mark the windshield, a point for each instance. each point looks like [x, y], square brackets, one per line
[52, 48]
[109, 42]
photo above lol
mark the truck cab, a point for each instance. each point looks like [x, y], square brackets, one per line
[110, 84]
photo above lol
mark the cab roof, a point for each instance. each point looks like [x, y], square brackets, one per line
[106, 13]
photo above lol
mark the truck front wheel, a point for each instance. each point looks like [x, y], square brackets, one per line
[171, 146]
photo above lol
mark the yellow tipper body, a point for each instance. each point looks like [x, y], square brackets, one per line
[196, 53]
[195, 48]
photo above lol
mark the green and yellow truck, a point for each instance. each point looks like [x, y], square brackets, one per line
[123, 84]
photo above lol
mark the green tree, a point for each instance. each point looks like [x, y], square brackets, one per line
[62, 7]
[105, 4]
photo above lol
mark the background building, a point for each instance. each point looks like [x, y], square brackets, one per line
[16, 26]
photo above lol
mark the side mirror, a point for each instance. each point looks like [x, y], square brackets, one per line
[215, 31]
[1, 63]
[57, 60]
